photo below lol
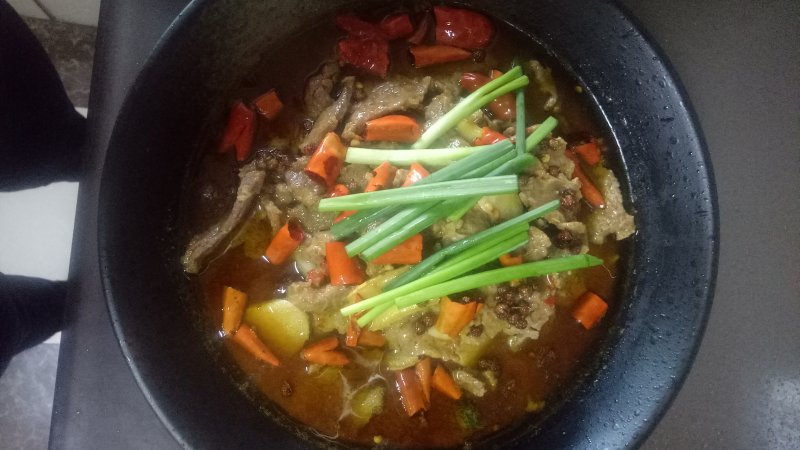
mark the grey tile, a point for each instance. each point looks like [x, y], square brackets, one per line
[26, 398]
[71, 49]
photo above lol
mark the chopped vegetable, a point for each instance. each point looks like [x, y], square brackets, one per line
[326, 162]
[357, 27]
[520, 124]
[510, 260]
[353, 333]
[368, 338]
[424, 372]
[396, 26]
[408, 252]
[509, 82]
[339, 190]
[429, 55]
[366, 402]
[444, 383]
[469, 130]
[410, 388]
[468, 416]
[370, 54]
[503, 107]
[415, 173]
[382, 178]
[248, 340]
[445, 190]
[322, 352]
[454, 316]
[268, 104]
[280, 324]
[233, 302]
[239, 131]
[588, 189]
[505, 229]
[497, 276]
[343, 269]
[489, 136]
[462, 27]
[589, 152]
[434, 157]
[284, 243]
[589, 309]
[392, 128]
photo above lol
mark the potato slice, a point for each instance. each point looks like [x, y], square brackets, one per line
[280, 324]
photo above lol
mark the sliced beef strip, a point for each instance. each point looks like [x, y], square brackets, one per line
[448, 95]
[329, 119]
[205, 245]
[317, 95]
[392, 96]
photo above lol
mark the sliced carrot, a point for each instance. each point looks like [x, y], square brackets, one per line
[444, 383]
[284, 243]
[233, 302]
[246, 337]
[454, 316]
[503, 107]
[424, 373]
[428, 55]
[343, 269]
[369, 338]
[322, 352]
[589, 309]
[353, 333]
[268, 104]
[326, 162]
[338, 191]
[415, 173]
[392, 128]
[406, 252]
[588, 189]
[489, 136]
[411, 394]
[589, 152]
[510, 260]
[382, 178]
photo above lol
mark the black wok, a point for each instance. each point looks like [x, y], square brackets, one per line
[184, 89]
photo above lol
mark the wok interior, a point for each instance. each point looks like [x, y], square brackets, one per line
[170, 113]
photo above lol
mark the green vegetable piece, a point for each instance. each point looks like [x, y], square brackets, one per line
[468, 416]
[280, 324]
[366, 402]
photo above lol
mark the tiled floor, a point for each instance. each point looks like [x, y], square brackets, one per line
[35, 239]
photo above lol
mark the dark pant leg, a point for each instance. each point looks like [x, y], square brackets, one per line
[40, 132]
[31, 309]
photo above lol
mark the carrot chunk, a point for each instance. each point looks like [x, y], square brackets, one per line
[382, 178]
[407, 252]
[369, 338]
[322, 352]
[415, 173]
[589, 309]
[454, 316]
[510, 260]
[392, 128]
[284, 243]
[247, 338]
[428, 55]
[589, 152]
[327, 161]
[353, 333]
[343, 269]
[424, 373]
[410, 388]
[233, 302]
[588, 189]
[268, 104]
[444, 383]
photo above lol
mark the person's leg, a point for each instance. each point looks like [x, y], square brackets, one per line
[40, 132]
[31, 309]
